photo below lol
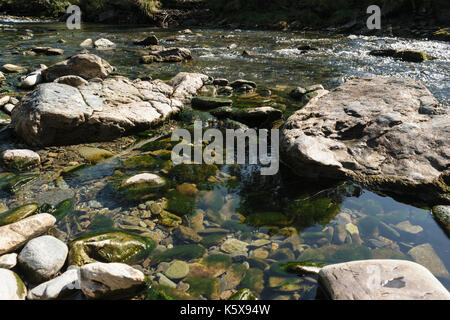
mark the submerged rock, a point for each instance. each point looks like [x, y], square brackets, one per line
[381, 280]
[425, 255]
[150, 40]
[110, 280]
[47, 51]
[42, 258]
[20, 159]
[15, 235]
[392, 147]
[114, 246]
[58, 114]
[11, 286]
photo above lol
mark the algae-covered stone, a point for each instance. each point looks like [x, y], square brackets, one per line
[12, 183]
[16, 214]
[442, 213]
[234, 245]
[187, 234]
[114, 246]
[142, 186]
[161, 292]
[336, 254]
[94, 155]
[183, 252]
[177, 270]
[207, 287]
[20, 159]
[63, 209]
[206, 103]
[243, 294]
[169, 219]
[253, 280]
[194, 173]
[179, 203]
[187, 189]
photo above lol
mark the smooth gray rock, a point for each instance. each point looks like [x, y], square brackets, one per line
[11, 286]
[101, 280]
[425, 255]
[57, 287]
[42, 258]
[371, 131]
[8, 261]
[15, 235]
[87, 66]
[58, 114]
[381, 280]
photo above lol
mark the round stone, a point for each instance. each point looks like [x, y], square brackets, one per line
[177, 270]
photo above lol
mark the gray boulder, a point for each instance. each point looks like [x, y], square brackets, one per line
[57, 287]
[58, 114]
[11, 286]
[87, 66]
[42, 258]
[381, 280]
[107, 280]
[8, 261]
[372, 131]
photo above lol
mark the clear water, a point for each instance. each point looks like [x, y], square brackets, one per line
[295, 215]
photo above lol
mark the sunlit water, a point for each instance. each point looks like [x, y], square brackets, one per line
[276, 208]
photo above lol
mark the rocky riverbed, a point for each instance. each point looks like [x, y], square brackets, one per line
[87, 175]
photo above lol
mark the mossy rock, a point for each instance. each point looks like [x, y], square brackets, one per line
[243, 294]
[253, 280]
[94, 155]
[336, 254]
[101, 222]
[180, 204]
[14, 183]
[194, 173]
[113, 246]
[63, 209]
[268, 219]
[207, 103]
[291, 266]
[369, 226]
[183, 252]
[19, 213]
[141, 162]
[236, 226]
[142, 190]
[213, 239]
[162, 144]
[162, 154]
[206, 287]
[219, 260]
[160, 292]
[169, 219]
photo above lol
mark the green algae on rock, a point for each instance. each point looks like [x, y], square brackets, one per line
[243, 294]
[169, 219]
[63, 209]
[336, 254]
[180, 204]
[14, 183]
[19, 213]
[161, 292]
[253, 280]
[183, 252]
[207, 287]
[113, 246]
[194, 173]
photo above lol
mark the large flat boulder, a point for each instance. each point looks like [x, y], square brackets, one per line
[101, 110]
[381, 280]
[386, 133]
